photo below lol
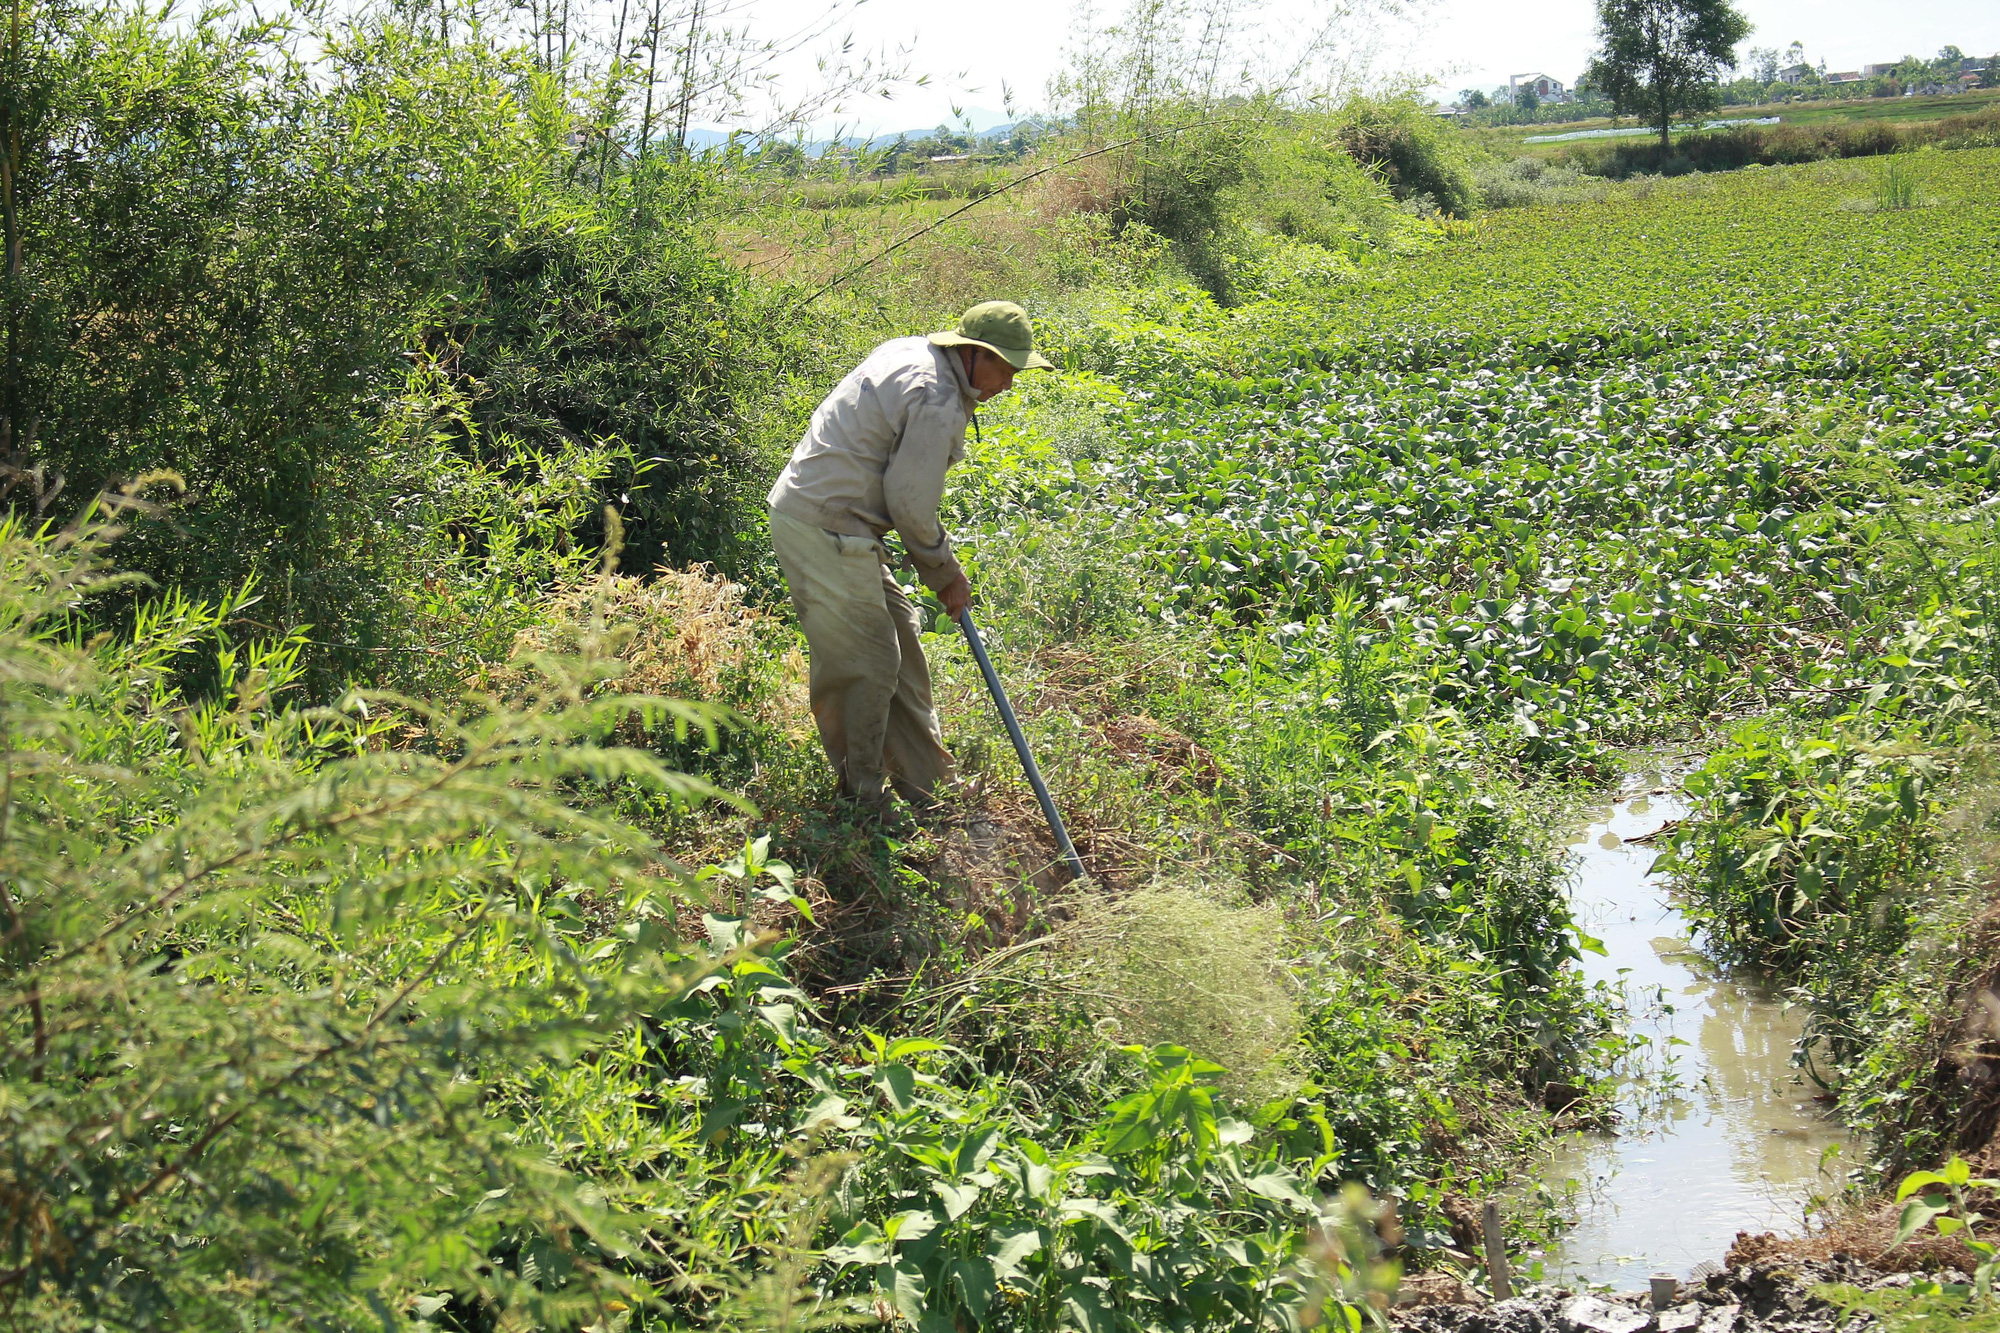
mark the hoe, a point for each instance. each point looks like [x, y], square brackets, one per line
[1049, 813]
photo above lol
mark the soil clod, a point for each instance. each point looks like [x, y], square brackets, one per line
[1750, 1298]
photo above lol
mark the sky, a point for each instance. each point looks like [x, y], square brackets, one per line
[974, 51]
[1484, 42]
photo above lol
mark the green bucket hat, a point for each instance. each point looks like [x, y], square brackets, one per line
[1002, 328]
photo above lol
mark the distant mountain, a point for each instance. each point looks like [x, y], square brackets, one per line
[990, 134]
[982, 123]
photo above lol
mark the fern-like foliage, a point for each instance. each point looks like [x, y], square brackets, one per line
[264, 966]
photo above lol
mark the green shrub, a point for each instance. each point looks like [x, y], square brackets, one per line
[1416, 156]
[1169, 1209]
[232, 260]
[609, 319]
[1853, 857]
[1799, 842]
[1524, 181]
[263, 969]
[1306, 185]
[1178, 184]
[1134, 336]
[1900, 1035]
[205, 291]
[1092, 250]
[1782, 145]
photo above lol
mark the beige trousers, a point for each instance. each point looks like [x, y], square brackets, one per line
[869, 683]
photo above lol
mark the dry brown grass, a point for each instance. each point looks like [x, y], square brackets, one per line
[1095, 185]
[1000, 245]
[1005, 244]
[1098, 691]
[991, 867]
[682, 634]
[1865, 1232]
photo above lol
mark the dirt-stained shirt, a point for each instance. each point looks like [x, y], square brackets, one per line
[875, 455]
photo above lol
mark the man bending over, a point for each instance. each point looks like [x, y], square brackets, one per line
[874, 459]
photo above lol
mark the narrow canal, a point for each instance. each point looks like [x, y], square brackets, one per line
[1717, 1132]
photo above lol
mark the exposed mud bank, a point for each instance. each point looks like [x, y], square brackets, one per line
[1749, 1298]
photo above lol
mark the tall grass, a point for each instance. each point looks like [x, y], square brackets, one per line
[1180, 966]
[1899, 185]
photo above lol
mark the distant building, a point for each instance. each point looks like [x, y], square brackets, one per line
[1545, 88]
[1452, 110]
[1795, 73]
[1852, 76]
[1877, 71]
[1971, 65]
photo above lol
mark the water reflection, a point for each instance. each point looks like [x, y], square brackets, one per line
[1718, 1133]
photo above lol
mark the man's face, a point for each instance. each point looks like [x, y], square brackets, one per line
[990, 375]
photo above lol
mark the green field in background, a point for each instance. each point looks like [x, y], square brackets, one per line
[1511, 140]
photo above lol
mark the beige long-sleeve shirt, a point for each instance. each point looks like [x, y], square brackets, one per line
[875, 455]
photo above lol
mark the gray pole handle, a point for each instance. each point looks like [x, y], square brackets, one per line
[993, 685]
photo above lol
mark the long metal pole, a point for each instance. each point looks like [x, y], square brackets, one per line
[1063, 844]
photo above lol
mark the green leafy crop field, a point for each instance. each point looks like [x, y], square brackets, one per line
[1878, 108]
[1708, 462]
[1515, 140]
[1608, 469]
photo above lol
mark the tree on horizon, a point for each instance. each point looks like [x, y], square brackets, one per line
[1661, 58]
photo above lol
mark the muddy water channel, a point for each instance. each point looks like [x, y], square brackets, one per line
[1717, 1133]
